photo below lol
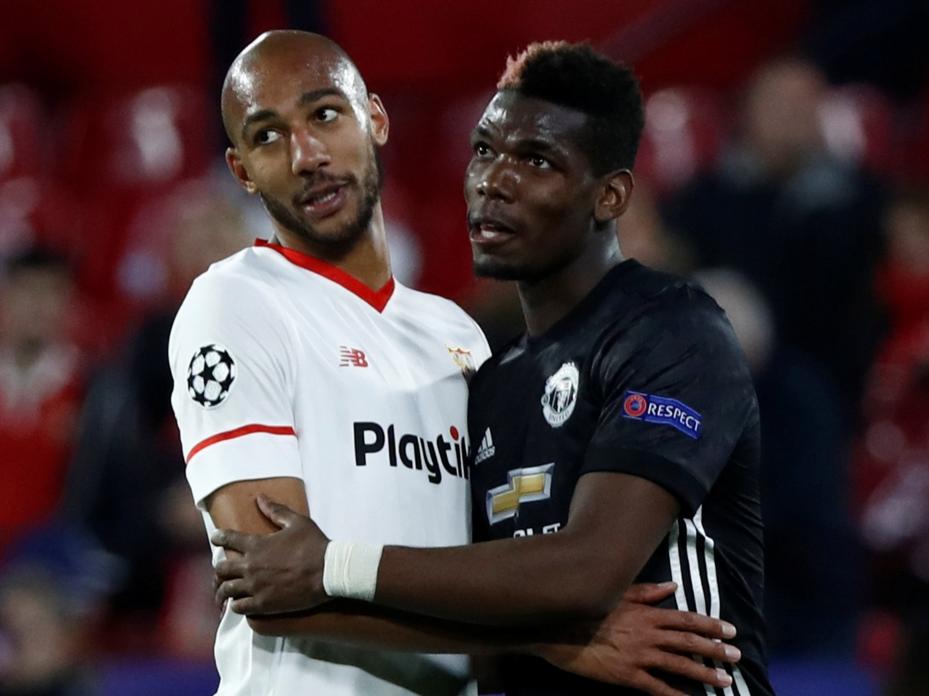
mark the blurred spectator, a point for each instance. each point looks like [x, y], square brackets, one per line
[903, 280]
[893, 453]
[51, 595]
[31, 205]
[801, 224]
[893, 464]
[42, 638]
[175, 238]
[40, 388]
[812, 583]
[683, 131]
[644, 236]
[127, 480]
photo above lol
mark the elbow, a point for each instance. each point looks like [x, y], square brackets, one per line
[591, 605]
[595, 590]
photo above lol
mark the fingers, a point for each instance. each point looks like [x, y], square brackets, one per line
[649, 593]
[692, 669]
[279, 514]
[231, 540]
[229, 568]
[693, 623]
[246, 605]
[693, 644]
[231, 589]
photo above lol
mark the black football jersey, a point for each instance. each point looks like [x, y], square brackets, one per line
[644, 377]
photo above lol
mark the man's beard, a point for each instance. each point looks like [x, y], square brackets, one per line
[521, 271]
[338, 242]
[497, 271]
[488, 266]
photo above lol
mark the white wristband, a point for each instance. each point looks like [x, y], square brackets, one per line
[350, 570]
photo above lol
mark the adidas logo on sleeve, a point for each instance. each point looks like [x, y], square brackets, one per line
[486, 449]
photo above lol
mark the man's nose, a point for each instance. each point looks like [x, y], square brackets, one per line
[498, 180]
[307, 153]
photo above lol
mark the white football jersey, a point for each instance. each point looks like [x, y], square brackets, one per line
[286, 366]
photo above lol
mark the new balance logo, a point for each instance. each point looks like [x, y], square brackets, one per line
[487, 448]
[352, 357]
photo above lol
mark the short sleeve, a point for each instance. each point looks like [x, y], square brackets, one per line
[233, 386]
[677, 395]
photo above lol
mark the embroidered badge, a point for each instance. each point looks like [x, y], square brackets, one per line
[560, 395]
[664, 411]
[464, 360]
[210, 375]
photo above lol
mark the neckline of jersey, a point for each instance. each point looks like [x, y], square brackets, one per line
[378, 299]
[582, 308]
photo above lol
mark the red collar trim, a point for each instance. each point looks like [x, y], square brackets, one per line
[377, 299]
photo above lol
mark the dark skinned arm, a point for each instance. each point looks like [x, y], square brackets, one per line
[635, 638]
[234, 507]
[615, 524]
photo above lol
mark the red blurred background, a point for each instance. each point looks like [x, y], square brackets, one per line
[784, 164]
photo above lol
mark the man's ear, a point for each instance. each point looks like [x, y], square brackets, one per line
[237, 167]
[614, 197]
[380, 123]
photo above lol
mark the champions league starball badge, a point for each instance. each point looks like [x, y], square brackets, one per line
[210, 375]
[560, 395]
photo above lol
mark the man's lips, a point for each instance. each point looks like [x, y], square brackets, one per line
[489, 231]
[323, 201]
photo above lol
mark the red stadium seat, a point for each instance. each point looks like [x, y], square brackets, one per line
[122, 152]
[35, 211]
[151, 138]
[22, 130]
[683, 131]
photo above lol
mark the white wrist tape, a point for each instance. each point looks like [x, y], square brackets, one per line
[350, 570]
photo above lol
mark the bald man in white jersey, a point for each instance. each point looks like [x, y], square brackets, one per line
[305, 373]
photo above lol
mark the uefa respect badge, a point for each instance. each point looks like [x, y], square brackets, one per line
[664, 411]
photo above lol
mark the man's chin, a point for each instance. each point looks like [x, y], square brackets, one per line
[496, 269]
[336, 242]
[335, 232]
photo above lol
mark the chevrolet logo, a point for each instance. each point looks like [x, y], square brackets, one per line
[522, 486]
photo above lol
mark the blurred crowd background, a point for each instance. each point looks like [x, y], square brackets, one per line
[785, 166]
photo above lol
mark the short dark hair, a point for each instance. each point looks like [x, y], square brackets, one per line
[577, 77]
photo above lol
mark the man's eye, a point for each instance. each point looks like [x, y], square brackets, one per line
[327, 114]
[539, 162]
[264, 137]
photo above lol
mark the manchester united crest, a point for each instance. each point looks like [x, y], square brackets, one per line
[560, 395]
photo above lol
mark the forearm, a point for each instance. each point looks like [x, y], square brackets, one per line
[527, 581]
[363, 625]
[615, 524]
